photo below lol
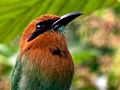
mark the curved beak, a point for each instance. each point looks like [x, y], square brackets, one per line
[62, 21]
[65, 19]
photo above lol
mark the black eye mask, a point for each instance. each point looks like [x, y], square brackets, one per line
[41, 28]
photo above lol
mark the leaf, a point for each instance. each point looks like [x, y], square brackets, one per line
[16, 15]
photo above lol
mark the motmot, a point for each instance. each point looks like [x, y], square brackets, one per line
[44, 61]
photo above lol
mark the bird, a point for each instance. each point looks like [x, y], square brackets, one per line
[44, 61]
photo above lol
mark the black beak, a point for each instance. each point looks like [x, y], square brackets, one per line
[65, 19]
[62, 21]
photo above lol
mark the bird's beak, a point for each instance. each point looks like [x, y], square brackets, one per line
[62, 21]
[65, 19]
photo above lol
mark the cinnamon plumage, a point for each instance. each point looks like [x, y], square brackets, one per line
[43, 61]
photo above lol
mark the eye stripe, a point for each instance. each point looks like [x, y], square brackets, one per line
[41, 27]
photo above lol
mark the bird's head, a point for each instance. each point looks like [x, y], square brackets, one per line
[46, 24]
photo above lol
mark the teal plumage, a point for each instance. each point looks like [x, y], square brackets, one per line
[43, 61]
[15, 77]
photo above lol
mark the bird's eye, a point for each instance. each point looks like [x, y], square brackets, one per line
[40, 26]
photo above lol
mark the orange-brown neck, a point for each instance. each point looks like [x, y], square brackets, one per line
[49, 60]
[48, 39]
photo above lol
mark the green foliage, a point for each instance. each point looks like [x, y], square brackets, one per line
[15, 15]
[5, 53]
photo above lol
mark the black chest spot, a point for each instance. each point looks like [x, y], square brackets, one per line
[58, 52]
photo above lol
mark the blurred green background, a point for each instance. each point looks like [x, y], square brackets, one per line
[93, 39]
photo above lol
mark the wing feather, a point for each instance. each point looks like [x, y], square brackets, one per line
[16, 75]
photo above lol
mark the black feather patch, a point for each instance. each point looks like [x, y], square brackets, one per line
[55, 51]
[58, 52]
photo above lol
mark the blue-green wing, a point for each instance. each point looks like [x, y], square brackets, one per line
[16, 75]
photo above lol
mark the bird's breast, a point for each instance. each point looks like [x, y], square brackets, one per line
[49, 63]
[52, 62]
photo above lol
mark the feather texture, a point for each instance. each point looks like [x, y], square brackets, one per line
[43, 63]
